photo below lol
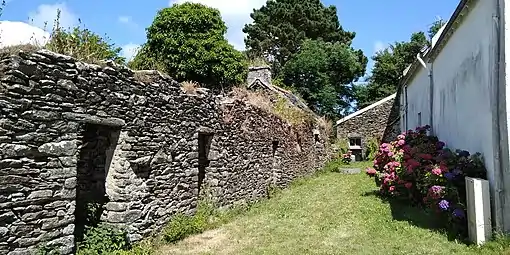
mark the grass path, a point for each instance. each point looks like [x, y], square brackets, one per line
[329, 214]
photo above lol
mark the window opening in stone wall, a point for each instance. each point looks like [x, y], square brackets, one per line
[419, 119]
[97, 147]
[355, 141]
[204, 145]
[275, 147]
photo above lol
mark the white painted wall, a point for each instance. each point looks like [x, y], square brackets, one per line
[418, 99]
[463, 84]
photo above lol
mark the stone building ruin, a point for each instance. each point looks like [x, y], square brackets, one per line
[133, 144]
[378, 121]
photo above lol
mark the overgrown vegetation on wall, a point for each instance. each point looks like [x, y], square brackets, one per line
[418, 168]
[82, 44]
[283, 108]
[78, 42]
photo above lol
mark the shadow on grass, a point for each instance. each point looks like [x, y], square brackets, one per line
[403, 210]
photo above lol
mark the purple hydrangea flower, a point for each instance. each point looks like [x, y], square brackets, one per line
[444, 205]
[436, 189]
[459, 213]
[457, 171]
[449, 176]
[464, 154]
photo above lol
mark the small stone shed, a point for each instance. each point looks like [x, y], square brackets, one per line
[379, 120]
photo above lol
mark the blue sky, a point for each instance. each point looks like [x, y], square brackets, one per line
[376, 23]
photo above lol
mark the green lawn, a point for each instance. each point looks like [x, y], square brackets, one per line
[331, 213]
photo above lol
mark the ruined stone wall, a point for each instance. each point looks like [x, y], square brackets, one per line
[75, 135]
[380, 122]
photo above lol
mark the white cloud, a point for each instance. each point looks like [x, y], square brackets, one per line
[379, 46]
[45, 15]
[124, 19]
[235, 13]
[128, 21]
[15, 33]
[129, 50]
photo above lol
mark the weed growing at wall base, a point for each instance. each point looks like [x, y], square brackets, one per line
[102, 240]
[207, 216]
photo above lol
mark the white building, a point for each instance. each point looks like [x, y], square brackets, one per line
[461, 87]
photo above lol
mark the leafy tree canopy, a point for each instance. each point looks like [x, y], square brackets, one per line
[187, 41]
[280, 27]
[320, 71]
[388, 69]
[435, 27]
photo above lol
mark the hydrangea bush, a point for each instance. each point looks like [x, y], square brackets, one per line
[419, 168]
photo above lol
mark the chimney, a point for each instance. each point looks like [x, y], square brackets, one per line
[259, 76]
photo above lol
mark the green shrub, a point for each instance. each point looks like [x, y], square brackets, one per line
[206, 217]
[187, 42]
[82, 44]
[48, 249]
[372, 146]
[419, 169]
[342, 145]
[182, 226]
[334, 165]
[102, 240]
[142, 249]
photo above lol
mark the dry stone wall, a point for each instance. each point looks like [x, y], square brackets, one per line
[75, 135]
[380, 122]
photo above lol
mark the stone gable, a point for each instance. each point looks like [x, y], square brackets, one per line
[380, 121]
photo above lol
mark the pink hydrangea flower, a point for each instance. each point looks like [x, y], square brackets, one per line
[437, 171]
[426, 156]
[371, 171]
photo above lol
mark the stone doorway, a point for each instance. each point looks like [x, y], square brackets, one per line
[204, 145]
[97, 146]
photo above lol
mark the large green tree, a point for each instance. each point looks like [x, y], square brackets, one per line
[389, 65]
[321, 73]
[187, 42]
[280, 27]
[434, 28]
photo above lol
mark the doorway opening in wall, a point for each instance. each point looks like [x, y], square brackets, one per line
[204, 145]
[97, 146]
[298, 140]
[275, 147]
[419, 119]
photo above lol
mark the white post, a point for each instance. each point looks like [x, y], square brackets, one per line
[478, 210]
